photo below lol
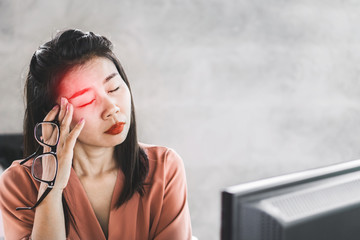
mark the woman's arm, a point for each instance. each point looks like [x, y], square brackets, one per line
[17, 189]
[174, 222]
[49, 221]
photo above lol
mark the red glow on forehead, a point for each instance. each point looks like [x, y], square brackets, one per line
[72, 85]
[83, 79]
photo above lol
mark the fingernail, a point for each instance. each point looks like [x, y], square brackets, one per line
[62, 101]
[82, 120]
[55, 107]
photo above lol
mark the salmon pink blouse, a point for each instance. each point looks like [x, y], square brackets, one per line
[161, 214]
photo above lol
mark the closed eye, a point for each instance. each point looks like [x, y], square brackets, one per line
[114, 90]
[87, 103]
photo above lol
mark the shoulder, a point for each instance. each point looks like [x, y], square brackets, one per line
[163, 161]
[15, 173]
[18, 189]
[167, 194]
[161, 154]
[16, 180]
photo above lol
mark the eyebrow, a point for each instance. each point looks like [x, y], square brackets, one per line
[108, 78]
[81, 92]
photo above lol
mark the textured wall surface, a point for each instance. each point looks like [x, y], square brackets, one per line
[242, 90]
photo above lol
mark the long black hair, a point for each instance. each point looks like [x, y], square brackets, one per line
[49, 63]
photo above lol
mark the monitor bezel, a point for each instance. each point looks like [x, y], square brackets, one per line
[233, 196]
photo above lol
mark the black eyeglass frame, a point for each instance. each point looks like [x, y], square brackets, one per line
[39, 153]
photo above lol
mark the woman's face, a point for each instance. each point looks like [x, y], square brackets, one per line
[100, 96]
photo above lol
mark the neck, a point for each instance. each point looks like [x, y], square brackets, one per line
[92, 161]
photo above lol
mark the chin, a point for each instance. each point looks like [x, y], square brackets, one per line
[105, 140]
[114, 140]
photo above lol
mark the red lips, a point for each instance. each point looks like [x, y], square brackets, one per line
[116, 128]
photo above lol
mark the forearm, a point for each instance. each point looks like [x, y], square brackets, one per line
[49, 222]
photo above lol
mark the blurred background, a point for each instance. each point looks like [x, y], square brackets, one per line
[241, 89]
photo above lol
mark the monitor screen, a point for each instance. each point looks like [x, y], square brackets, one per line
[317, 204]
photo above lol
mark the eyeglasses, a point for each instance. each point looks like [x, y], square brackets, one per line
[45, 164]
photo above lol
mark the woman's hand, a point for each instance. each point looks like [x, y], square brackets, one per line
[66, 142]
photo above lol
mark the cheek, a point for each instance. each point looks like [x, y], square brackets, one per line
[78, 114]
[125, 101]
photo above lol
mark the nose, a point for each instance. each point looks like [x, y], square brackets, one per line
[110, 108]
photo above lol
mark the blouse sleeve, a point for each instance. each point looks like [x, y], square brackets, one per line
[17, 189]
[174, 222]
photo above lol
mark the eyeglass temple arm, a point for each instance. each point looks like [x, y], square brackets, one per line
[48, 189]
[30, 157]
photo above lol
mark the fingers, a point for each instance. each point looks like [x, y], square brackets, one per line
[74, 134]
[65, 117]
[67, 137]
[66, 142]
[66, 120]
[52, 114]
[63, 104]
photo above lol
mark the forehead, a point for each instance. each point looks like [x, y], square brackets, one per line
[92, 72]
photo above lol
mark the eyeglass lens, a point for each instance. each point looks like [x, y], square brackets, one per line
[47, 133]
[44, 167]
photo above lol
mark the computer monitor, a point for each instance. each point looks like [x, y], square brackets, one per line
[317, 204]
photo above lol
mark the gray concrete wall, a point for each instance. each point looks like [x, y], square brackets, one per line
[241, 89]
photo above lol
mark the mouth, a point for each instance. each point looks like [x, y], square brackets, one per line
[116, 128]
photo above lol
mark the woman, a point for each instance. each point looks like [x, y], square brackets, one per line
[90, 179]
